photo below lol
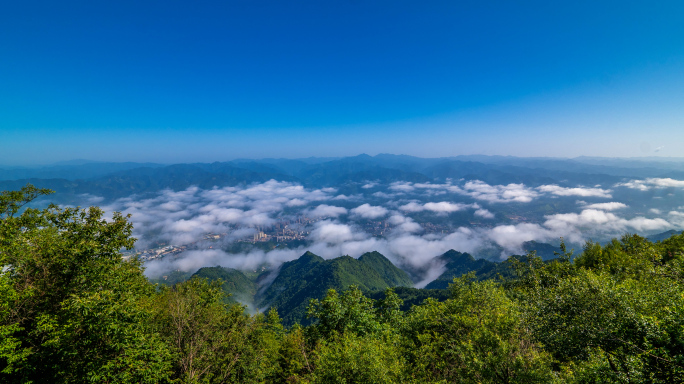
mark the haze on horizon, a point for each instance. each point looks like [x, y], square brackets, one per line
[210, 81]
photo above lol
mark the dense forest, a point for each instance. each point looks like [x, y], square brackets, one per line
[73, 311]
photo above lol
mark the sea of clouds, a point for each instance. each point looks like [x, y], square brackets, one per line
[183, 217]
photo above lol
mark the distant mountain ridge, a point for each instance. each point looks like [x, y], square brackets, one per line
[113, 180]
[71, 170]
[664, 235]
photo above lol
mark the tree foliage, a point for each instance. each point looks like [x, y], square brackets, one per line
[72, 309]
[477, 336]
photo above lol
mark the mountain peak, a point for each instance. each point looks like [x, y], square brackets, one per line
[372, 255]
[309, 257]
[452, 256]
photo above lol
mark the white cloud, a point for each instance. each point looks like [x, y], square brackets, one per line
[397, 219]
[606, 206]
[483, 213]
[227, 215]
[412, 207]
[499, 193]
[431, 186]
[401, 186]
[182, 217]
[296, 203]
[588, 217]
[677, 219]
[665, 183]
[196, 259]
[89, 200]
[592, 221]
[255, 218]
[444, 206]
[333, 233]
[578, 191]
[650, 183]
[574, 227]
[404, 224]
[368, 211]
[440, 207]
[324, 210]
[384, 195]
[418, 250]
[511, 237]
[409, 226]
[644, 224]
[476, 189]
[185, 216]
[171, 206]
[341, 197]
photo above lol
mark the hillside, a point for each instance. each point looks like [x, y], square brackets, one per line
[310, 277]
[238, 288]
[457, 264]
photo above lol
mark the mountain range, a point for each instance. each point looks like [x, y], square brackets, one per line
[113, 180]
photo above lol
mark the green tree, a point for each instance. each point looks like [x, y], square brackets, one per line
[388, 310]
[351, 358]
[632, 256]
[296, 358]
[211, 341]
[611, 316]
[477, 336]
[337, 314]
[621, 330]
[71, 309]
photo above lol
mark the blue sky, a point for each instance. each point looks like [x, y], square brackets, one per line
[170, 81]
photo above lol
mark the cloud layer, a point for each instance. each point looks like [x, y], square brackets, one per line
[337, 223]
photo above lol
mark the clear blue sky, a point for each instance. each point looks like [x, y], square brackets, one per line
[172, 81]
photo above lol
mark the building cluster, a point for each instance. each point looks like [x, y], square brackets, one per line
[281, 232]
[435, 228]
[158, 253]
[377, 228]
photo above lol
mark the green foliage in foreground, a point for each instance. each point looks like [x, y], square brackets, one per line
[72, 311]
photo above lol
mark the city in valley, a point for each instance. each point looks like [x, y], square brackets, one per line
[284, 233]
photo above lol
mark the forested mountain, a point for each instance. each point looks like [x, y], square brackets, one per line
[298, 281]
[310, 277]
[457, 264]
